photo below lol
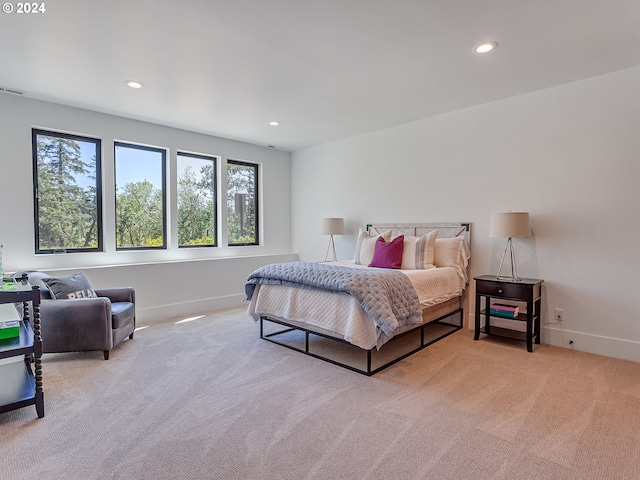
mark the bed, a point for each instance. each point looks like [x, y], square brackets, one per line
[303, 306]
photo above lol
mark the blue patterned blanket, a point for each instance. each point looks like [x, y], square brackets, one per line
[386, 295]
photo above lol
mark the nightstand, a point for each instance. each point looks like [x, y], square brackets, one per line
[526, 290]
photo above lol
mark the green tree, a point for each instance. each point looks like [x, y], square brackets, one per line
[196, 222]
[67, 212]
[89, 206]
[139, 218]
[241, 193]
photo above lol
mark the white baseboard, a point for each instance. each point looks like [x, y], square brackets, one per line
[586, 342]
[185, 309]
[553, 334]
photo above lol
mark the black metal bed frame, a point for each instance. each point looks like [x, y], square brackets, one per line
[369, 371]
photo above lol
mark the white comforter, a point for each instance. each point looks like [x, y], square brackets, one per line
[340, 315]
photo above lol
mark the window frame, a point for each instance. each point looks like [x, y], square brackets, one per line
[35, 132]
[256, 189]
[216, 227]
[163, 152]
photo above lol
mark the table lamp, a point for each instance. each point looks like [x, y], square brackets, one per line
[509, 225]
[332, 226]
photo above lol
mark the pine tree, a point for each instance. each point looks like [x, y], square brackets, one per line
[66, 210]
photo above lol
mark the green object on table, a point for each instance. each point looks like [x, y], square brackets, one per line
[7, 284]
[9, 329]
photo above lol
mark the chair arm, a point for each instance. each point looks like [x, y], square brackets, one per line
[76, 324]
[118, 294]
[92, 311]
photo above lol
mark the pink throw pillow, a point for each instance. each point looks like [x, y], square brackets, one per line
[388, 254]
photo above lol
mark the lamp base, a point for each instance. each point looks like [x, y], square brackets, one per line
[514, 271]
[331, 247]
[509, 279]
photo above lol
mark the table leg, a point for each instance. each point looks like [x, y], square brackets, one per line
[529, 326]
[537, 323]
[476, 334]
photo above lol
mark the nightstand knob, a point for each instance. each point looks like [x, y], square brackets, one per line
[500, 291]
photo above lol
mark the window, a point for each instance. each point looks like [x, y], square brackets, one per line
[67, 192]
[196, 200]
[140, 197]
[242, 203]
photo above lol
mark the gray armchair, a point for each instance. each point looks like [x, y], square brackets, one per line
[85, 324]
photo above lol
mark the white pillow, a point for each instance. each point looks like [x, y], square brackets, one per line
[452, 252]
[419, 252]
[447, 252]
[366, 246]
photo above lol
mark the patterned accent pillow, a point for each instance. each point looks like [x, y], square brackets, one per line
[366, 246]
[388, 254]
[419, 252]
[75, 286]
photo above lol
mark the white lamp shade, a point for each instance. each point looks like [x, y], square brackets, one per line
[510, 225]
[333, 226]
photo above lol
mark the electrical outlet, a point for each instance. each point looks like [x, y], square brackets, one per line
[559, 314]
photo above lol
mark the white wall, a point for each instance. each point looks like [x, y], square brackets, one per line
[569, 155]
[169, 282]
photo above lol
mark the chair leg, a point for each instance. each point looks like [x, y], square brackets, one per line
[106, 354]
[131, 336]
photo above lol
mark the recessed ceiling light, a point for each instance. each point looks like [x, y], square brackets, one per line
[134, 84]
[274, 123]
[485, 47]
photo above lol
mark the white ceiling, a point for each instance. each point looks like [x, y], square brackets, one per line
[326, 69]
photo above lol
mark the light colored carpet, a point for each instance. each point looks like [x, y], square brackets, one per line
[208, 399]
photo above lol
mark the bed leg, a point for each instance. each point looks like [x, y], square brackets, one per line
[306, 342]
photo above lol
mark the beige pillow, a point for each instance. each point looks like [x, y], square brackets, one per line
[453, 252]
[366, 246]
[450, 252]
[447, 251]
[419, 252]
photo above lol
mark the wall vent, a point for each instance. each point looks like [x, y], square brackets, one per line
[11, 90]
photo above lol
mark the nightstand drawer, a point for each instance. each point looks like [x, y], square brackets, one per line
[504, 290]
